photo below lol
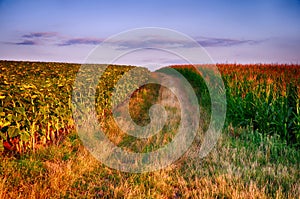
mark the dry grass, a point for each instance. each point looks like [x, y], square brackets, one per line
[243, 164]
[69, 170]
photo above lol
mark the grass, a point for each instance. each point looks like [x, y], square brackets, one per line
[255, 166]
[265, 97]
[245, 163]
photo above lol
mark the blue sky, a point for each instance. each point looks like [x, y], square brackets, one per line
[253, 31]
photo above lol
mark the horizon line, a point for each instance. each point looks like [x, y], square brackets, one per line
[137, 65]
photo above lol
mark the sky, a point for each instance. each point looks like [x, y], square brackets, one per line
[240, 31]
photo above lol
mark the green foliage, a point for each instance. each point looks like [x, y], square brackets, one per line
[265, 109]
[265, 97]
[36, 100]
[112, 89]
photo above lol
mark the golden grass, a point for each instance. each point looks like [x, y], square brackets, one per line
[187, 178]
[216, 176]
[235, 168]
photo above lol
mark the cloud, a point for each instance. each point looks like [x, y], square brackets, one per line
[36, 38]
[221, 42]
[54, 39]
[174, 43]
[152, 41]
[26, 43]
[40, 34]
[76, 41]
